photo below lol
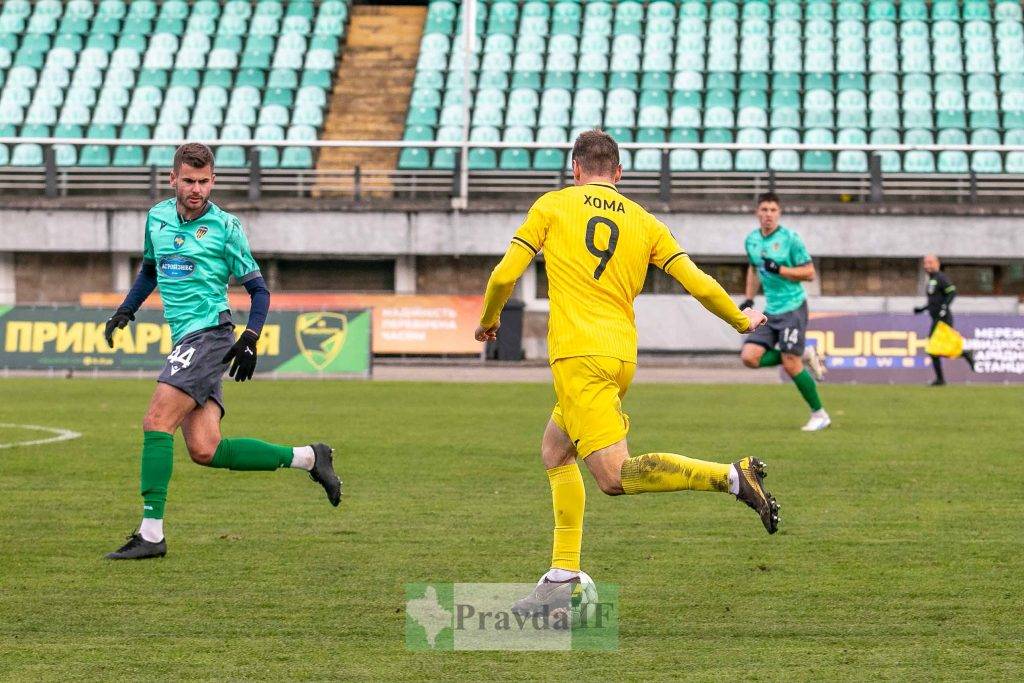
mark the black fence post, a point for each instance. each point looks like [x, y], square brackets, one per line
[973, 188]
[875, 169]
[665, 187]
[153, 189]
[771, 180]
[357, 183]
[50, 163]
[456, 176]
[255, 176]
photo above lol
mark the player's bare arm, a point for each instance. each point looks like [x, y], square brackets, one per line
[750, 288]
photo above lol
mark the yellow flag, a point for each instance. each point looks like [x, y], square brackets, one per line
[945, 341]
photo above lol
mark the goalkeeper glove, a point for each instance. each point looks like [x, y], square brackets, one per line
[746, 303]
[118, 321]
[242, 356]
[943, 312]
[920, 309]
[771, 266]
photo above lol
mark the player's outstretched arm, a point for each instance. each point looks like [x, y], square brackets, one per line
[752, 284]
[242, 355]
[145, 283]
[712, 296]
[499, 289]
[801, 273]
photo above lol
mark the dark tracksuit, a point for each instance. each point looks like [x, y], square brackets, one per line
[941, 293]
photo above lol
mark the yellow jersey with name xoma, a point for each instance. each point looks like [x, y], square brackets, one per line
[597, 245]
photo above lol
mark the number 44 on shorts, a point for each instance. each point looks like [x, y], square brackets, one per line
[181, 358]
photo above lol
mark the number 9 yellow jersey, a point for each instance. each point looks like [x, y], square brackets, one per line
[597, 245]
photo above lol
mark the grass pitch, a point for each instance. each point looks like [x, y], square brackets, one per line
[898, 556]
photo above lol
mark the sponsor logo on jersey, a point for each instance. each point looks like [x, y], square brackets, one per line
[179, 241]
[201, 232]
[177, 267]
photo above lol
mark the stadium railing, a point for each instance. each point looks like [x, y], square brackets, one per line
[458, 185]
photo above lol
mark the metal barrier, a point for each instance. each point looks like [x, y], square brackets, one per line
[458, 185]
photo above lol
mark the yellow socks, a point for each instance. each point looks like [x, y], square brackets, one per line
[568, 498]
[670, 472]
[642, 474]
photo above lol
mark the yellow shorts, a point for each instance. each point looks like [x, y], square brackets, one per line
[589, 391]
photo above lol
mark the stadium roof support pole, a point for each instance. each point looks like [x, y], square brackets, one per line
[469, 40]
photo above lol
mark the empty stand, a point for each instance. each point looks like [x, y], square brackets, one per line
[142, 70]
[373, 85]
[815, 71]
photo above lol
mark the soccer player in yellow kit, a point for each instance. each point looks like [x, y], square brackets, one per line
[597, 246]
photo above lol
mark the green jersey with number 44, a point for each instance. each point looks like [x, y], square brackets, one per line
[787, 249]
[194, 260]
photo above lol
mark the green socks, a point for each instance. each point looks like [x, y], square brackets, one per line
[157, 462]
[248, 455]
[235, 454]
[804, 382]
[808, 389]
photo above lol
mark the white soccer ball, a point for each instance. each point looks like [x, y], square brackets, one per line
[583, 603]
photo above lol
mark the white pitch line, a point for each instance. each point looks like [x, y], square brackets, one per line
[60, 435]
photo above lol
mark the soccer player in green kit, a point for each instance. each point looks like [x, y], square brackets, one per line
[780, 263]
[191, 248]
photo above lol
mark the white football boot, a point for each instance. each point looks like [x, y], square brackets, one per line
[815, 362]
[819, 420]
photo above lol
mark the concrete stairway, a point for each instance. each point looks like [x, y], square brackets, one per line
[371, 95]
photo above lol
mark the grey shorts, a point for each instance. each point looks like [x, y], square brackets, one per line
[194, 365]
[786, 330]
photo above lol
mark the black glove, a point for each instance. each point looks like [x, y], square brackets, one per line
[771, 266]
[118, 321]
[746, 303]
[920, 309]
[243, 357]
[943, 312]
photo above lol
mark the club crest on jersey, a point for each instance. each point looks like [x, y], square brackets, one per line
[605, 204]
[775, 247]
[201, 232]
[179, 241]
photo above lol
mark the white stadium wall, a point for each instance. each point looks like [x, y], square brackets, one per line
[381, 233]
[666, 323]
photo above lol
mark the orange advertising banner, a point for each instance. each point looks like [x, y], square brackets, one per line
[402, 324]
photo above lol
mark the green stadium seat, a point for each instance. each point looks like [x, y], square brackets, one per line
[952, 162]
[945, 10]
[919, 161]
[94, 155]
[412, 159]
[986, 162]
[1008, 10]
[129, 155]
[851, 161]
[716, 159]
[160, 156]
